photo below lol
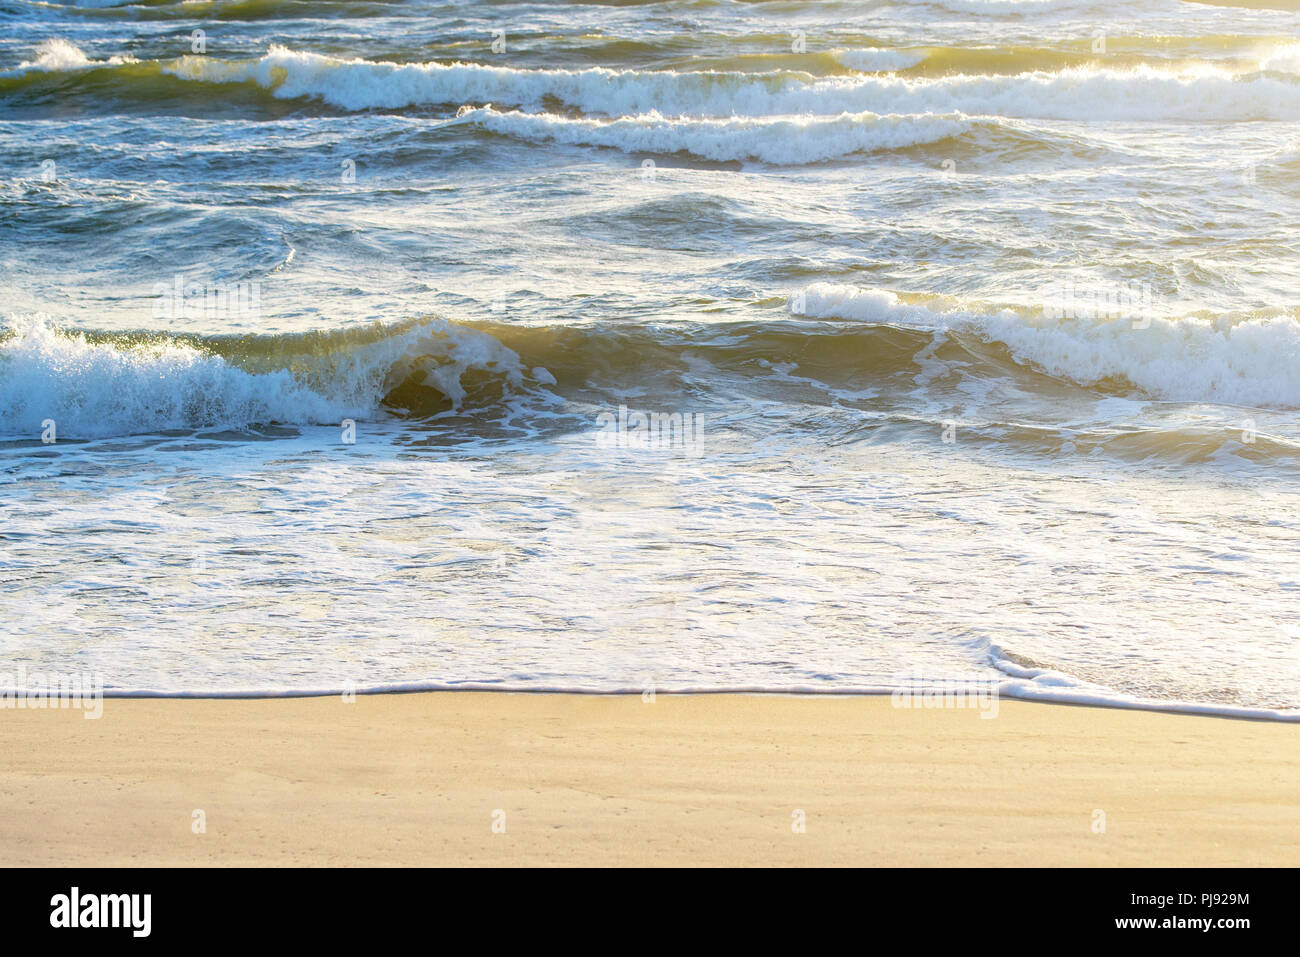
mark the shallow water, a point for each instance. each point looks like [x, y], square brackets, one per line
[967, 331]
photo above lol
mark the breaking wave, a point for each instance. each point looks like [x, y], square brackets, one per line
[93, 385]
[1142, 93]
[96, 384]
[784, 140]
[1074, 93]
[1240, 360]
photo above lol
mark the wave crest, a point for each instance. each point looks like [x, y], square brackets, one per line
[94, 385]
[785, 140]
[1083, 93]
[1248, 361]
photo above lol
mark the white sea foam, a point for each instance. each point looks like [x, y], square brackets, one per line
[59, 54]
[95, 389]
[1142, 93]
[874, 60]
[786, 140]
[1025, 684]
[1019, 8]
[1250, 361]
[1282, 60]
[92, 389]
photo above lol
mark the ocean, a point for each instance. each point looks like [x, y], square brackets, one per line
[816, 347]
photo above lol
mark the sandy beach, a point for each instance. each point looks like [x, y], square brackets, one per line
[519, 779]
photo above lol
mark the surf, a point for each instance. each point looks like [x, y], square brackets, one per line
[1139, 93]
[95, 384]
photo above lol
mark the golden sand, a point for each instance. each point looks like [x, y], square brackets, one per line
[473, 778]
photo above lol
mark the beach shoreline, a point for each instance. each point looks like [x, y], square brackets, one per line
[489, 778]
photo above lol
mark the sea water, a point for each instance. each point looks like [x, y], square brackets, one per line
[797, 346]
